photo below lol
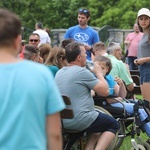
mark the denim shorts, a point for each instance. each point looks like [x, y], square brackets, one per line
[144, 73]
[103, 123]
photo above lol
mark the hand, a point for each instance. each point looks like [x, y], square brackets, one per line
[119, 98]
[40, 60]
[128, 42]
[96, 68]
[136, 62]
[118, 80]
[87, 47]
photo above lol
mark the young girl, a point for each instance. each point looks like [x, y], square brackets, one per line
[143, 20]
[116, 86]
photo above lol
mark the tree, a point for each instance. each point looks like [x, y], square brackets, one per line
[116, 13]
[63, 14]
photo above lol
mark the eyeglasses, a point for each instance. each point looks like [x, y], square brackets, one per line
[34, 40]
[85, 11]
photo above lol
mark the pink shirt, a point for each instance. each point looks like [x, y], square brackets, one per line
[133, 47]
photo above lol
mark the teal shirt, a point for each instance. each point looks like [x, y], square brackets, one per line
[53, 69]
[28, 94]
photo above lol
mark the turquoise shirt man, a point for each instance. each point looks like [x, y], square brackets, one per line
[23, 110]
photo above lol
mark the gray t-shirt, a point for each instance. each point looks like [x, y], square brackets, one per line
[76, 82]
[144, 47]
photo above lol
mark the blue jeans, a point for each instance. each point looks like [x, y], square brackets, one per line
[130, 109]
[144, 73]
[131, 64]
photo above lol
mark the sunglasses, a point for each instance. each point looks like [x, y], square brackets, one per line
[63, 57]
[85, 11]
[34, 40]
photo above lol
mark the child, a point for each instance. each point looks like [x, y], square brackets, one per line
[116, 86]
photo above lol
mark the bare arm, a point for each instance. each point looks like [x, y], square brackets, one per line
[53, 126]
[101, 87]
[129, 87]
[142, 60]
[87, 47]
[120, 89]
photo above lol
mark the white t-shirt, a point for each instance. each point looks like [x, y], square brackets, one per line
[44, 37]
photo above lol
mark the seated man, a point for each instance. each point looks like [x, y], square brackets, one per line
[99, 48]
[31, 52]
[119, 69]
[34, 39]
[76, 82]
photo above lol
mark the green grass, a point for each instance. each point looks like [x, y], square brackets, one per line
[126, 145]
[127, 141]
[139, 97]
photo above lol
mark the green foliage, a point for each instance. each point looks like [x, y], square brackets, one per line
[127, 142]
[63, 13]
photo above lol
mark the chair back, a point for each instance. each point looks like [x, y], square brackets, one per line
[67, 113]
[135, 72]
[136, 79]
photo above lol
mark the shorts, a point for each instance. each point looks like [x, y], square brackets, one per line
[144, 73]
[103, 123]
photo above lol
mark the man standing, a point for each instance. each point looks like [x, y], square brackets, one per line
[29, 99]
[44, 37]
[132, 41]
[83, 33]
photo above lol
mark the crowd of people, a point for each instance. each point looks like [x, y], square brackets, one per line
[35, 75]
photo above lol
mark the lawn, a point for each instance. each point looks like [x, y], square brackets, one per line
[127, 141]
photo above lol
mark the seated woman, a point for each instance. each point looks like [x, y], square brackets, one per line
[116, 86]
[56, 59]
[45, 49]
